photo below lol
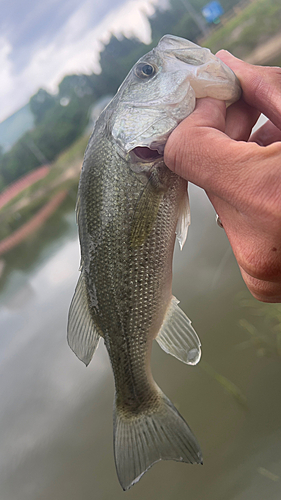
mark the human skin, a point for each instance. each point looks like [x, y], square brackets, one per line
[240, 172]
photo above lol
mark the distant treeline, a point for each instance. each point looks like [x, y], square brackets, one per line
[60, 119]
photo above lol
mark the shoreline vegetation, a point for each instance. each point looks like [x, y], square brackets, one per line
[250, 30]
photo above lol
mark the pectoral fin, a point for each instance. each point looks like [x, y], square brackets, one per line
[183, 221]
[82, 334]
[178, 337]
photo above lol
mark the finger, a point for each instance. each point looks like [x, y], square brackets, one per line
[240, 119]
[267, 134]
[182, 152]
[258, 254]
[209, 158]
[210, 112]
[261, 85]
[189, 143]
[255, 238]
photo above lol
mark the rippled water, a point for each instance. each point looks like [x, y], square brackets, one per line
[56, 415]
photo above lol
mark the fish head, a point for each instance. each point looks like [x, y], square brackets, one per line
[161, 90]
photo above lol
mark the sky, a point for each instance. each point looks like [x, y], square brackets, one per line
[41, 42]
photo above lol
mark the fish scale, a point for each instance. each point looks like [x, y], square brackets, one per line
[130, 207]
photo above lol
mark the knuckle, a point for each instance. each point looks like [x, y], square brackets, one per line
[261, 265]
[264, 82]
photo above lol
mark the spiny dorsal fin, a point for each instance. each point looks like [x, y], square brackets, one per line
[178, 337]
[82, 334]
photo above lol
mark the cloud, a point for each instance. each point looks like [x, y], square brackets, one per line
[30, 23]
[131, 20]
[43, 52]
[6, 75]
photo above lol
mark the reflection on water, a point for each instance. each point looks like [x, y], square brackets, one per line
[36, 249]
[56, 415]
[34, 223]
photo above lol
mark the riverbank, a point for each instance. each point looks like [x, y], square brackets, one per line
[28, 196]
[267, 52]
[251, 32]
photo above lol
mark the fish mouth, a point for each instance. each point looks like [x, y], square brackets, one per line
[147, 154]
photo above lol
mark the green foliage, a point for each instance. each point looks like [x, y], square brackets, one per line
[61, 126]
[18, 161]
[242, 34]
[58, 127]
[2, 183]
[40, 103]
[228, 386]
[76, 86]
[15, 126]
[228, 4]
[116, 60]
[32, 198]
[264, 329]
[176, 21]
[183, 19]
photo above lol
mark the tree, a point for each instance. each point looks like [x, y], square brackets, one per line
[75, 86]
[116, 59]
[40, 103]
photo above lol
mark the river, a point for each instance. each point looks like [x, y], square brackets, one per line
[56, 415]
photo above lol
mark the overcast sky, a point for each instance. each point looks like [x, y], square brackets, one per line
[40, 42]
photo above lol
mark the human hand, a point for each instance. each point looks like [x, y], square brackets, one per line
[240, 172]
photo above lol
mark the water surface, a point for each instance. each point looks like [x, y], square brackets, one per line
[56, 415]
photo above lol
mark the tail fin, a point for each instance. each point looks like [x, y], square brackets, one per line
[144, 439]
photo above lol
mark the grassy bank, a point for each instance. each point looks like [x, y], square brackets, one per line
[251, 27]
[64, 174]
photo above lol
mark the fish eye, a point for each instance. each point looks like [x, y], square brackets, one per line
[144, 70]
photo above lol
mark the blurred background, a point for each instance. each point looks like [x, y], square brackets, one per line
[60, 63]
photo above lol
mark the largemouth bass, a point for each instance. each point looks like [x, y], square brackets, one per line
[130, 208]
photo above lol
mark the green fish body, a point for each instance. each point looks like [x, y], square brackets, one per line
[130, 208]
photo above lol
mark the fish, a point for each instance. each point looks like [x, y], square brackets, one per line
[130, 209]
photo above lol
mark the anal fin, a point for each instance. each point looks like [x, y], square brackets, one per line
[178, 337]
[82, 334]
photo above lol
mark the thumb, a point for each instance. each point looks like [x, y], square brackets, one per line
[191, 140]
[209, 112]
